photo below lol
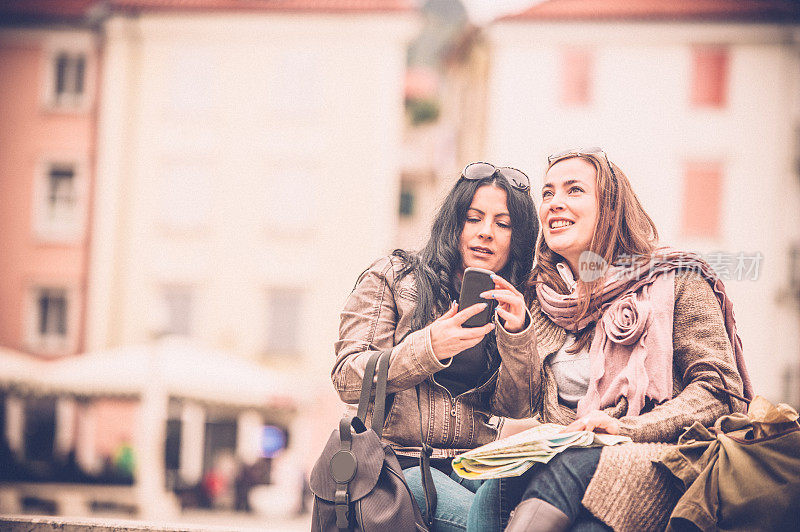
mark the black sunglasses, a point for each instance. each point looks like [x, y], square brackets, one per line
[479, 170]
[583, 151]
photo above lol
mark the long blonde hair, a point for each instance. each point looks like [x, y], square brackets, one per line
[623, 229]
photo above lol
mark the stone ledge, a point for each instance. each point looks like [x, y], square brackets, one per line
[60, 524]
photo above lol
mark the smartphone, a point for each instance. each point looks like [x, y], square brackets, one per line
[469, 365]
[475, 282]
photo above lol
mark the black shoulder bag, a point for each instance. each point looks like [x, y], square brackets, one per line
[357, 481]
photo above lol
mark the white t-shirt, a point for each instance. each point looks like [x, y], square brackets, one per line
[571, 371]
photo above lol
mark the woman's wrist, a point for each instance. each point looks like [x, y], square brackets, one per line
[501, 327]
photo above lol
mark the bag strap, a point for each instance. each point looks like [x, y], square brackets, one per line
[431, 497]
[381, 360]
[428, 487]
[379, 410]
[366, 385]
[343, 464]
[724, 388]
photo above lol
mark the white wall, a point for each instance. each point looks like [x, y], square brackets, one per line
[287, 128]
[641, 114]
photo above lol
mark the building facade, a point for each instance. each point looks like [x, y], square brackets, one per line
[698, 104]
[248, 170]
[48, 100]
[217, 170]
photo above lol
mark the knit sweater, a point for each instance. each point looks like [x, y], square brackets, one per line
[627, 491]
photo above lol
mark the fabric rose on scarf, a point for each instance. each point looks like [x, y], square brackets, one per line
[626, 320]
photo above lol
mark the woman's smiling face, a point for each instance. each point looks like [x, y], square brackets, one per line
[569, 209]
[486, 237]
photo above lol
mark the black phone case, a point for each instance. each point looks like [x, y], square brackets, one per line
[467, 367]
[475, 282]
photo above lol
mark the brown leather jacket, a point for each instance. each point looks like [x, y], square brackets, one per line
[376, 317]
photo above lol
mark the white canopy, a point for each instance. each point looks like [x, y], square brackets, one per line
[178, 366]
[16, 368]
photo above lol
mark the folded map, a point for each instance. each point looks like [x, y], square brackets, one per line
[515, 454]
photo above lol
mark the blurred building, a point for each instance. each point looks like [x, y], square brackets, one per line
[247, 166]
[247, 172]
[223, 169]
[234, 144]
[429, 136]
[142, 429]
[698, 103]
[48, 99]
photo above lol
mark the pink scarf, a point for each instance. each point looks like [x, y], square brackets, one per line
[631, 351]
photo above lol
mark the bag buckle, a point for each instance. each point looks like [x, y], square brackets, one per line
[342, 504]
[427, 449]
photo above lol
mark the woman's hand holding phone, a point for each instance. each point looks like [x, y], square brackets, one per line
[448, 337]
[510, 304]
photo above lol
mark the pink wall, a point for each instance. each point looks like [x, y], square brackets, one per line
[116, 424]
[29, 133]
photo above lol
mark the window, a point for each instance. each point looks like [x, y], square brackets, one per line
[178, 302]
[61, 194]
[407, 202]
[70, 72]
[60, 199]
[576, 77]
[709, 77]
[284, 306]
[69, 78]
[52, 312]
[52, 320]
[702, 199]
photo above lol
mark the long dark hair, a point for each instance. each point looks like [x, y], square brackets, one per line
[437, 266]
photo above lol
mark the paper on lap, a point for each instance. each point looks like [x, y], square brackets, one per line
[515, 454]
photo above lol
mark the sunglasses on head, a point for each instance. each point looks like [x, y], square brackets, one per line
[582, 151]
[480, 170]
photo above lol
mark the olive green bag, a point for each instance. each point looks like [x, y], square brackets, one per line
[742, 474]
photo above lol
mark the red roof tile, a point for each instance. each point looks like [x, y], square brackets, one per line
[77, 9]
[329, 6]
[47, 9]
[662, 10]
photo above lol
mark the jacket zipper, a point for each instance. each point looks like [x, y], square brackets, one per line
[451, 426]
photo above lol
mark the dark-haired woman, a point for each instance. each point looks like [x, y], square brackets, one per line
[627, 334]
[405, 302]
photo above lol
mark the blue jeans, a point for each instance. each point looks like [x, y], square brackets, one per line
[561, 482]
[454, 500]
